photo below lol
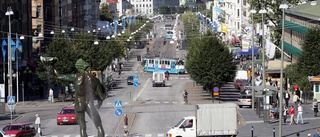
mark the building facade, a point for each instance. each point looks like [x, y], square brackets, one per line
[298, 20]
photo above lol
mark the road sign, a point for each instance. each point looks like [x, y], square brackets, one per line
[11, 100]
[135, 78]
[118, 112]
[136, 84]
[117, 104]
[216, 89]
[11, 107]
[215, 93]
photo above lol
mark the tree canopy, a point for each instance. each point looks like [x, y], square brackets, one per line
[209, 61]
[68, 49]
[105, 14]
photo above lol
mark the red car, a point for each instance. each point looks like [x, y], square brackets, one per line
[66, 116]
[20, 130]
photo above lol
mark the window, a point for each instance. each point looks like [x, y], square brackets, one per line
[238, 12]
[317, 87]
[38, 11]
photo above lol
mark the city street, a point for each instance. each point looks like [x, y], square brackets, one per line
[152, 111]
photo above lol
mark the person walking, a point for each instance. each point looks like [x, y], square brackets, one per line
[37, 123]
[286, 97]
[285, 114]
[50, 98]
[125, 120]
[315, 107]
[299, 115]
[291, 112]
[295, 100]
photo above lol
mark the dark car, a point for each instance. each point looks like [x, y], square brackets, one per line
[130, 80]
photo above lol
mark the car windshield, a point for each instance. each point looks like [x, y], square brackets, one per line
[12, 128]
[130, 77]
[67, 111]
[179, 123]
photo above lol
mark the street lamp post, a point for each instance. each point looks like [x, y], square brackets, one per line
[266, 100]
[283, 7]
[252, 11]
[9, 13]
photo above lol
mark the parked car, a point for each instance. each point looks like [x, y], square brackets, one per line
[239, 82]
[66, 116]
[3, 134]
[20, 130]
[245, 100]
[130, 80]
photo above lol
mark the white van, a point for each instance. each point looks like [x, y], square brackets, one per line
[158, 78]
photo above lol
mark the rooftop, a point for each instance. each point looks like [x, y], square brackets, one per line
[307, 10]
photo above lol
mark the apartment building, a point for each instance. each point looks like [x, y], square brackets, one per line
[20, 22]
[146, 7]
[298, 20]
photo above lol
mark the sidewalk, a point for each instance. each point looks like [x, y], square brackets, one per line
[196, 95]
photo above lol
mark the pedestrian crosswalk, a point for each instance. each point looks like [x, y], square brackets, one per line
[115, 135]
[150, 102]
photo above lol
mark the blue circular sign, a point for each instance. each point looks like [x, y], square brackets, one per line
[216, 89]
[118, 112]
[136, 84]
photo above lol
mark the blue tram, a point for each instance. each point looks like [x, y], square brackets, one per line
[157, 64]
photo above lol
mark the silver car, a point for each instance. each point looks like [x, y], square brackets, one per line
[245, 100]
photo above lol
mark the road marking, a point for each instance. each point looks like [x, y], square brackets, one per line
[148, 135]
[157, 102]
[165, 102]
[66, 136]
[141, 91]
[174, 102]
[160, 135]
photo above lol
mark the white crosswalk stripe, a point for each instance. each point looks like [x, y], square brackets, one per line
[135, 135]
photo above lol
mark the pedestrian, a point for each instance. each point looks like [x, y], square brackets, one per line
[291, 112]
[295, 100]
[286, 97]
[50, 98]
[317, 134]
[299, 115]
[125, 120]
[37, 123]
[315, 107]
[285, 114]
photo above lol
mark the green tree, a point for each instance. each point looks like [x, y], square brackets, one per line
[164, 9]
[209, 62]
[105, 14]
[273, 15]
[309, 60]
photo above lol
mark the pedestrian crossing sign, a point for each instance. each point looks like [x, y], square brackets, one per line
[11, 100]
[117, 104]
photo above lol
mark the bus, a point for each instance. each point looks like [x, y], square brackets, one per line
[158, 64]
[169, 34]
